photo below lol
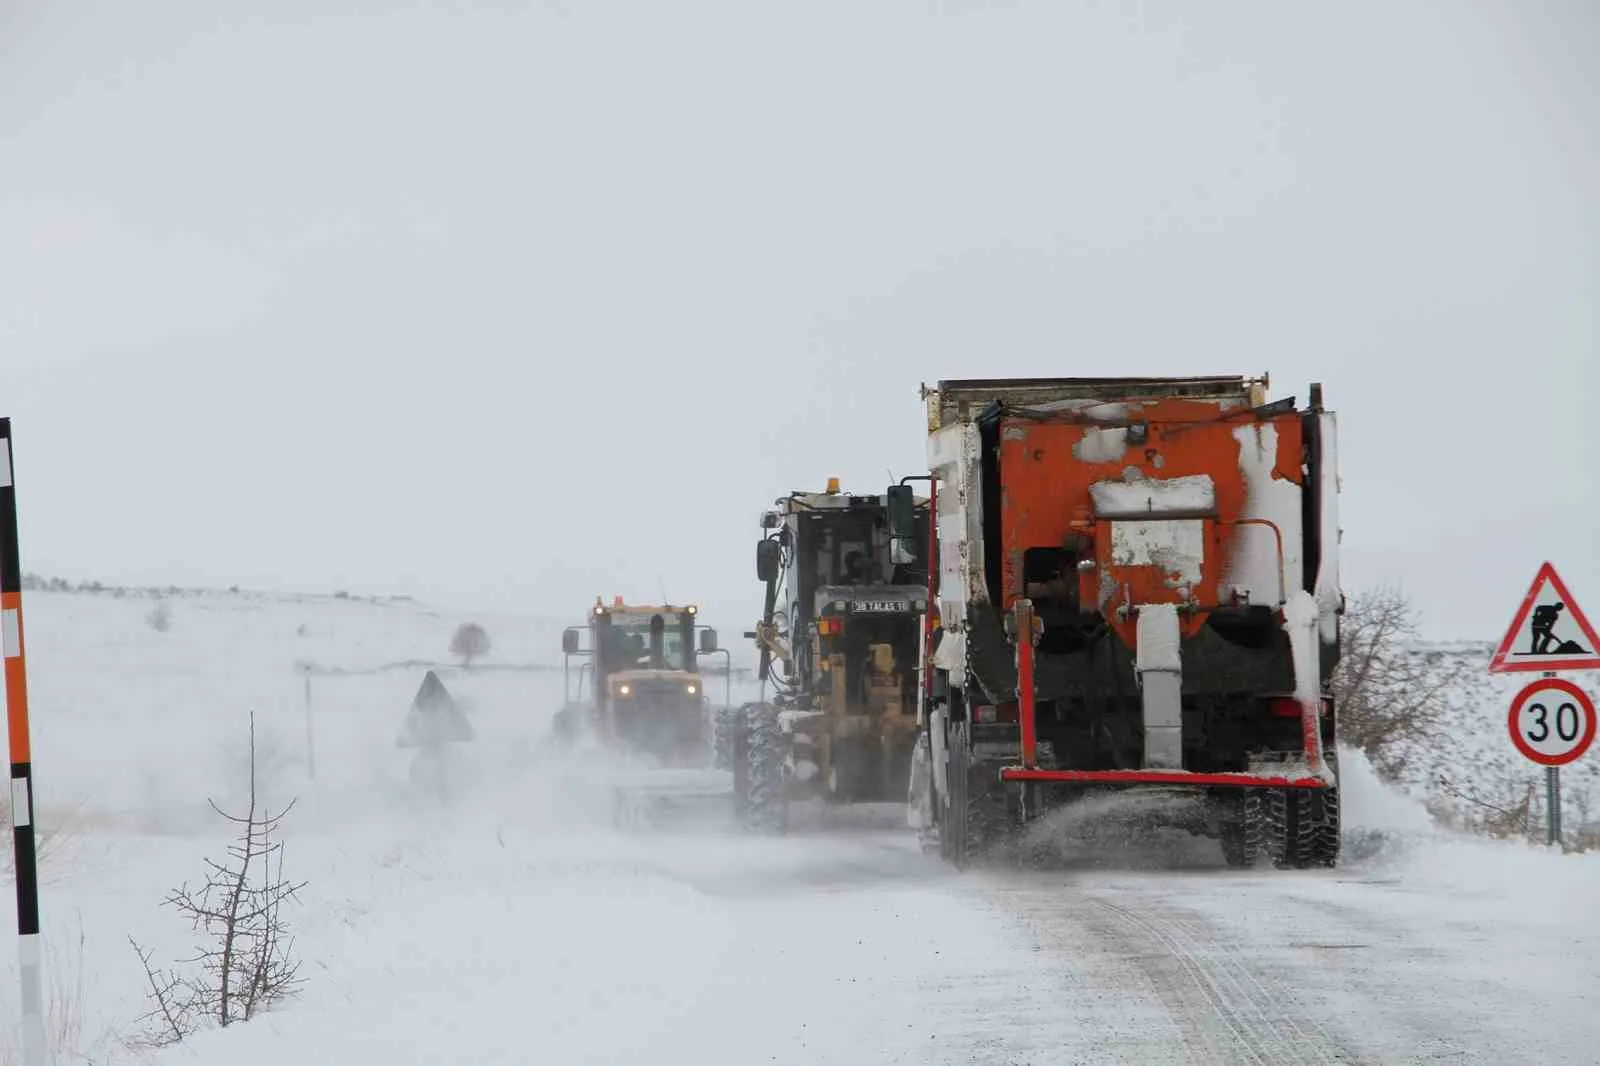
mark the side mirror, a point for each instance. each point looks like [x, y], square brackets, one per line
[902, 507]
[569, 642]
[769, 555]
[902, 512]
[708, 641]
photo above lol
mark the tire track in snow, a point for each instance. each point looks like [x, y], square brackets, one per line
[1265, 1022]
[1227, 1007]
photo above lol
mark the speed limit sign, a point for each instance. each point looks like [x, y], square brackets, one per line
[1552, 721]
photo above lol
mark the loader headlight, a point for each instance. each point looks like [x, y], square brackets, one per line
[693, 689]
[623, 690]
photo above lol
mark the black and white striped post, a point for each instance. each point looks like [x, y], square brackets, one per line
[16, 689]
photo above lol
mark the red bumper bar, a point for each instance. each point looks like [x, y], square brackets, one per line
[1159, 777]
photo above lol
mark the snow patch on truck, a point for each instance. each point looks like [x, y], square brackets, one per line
[1255, 562]
[1177, 546]
[1137, 496]
[1091, 409]
[1102, 445]
[1300, 618]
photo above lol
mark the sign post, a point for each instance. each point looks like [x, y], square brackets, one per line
[311, 740]
[1552, 720]
[22, 805]
[1552, 800]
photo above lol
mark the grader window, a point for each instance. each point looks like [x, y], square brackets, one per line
[630, 637]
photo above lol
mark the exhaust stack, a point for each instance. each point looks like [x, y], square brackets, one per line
[658, 641]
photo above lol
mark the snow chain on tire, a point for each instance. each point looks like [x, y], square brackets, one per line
[1301, 825]
[724, 722]
[765, 804]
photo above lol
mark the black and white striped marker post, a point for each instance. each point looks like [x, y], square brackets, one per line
[16, 689]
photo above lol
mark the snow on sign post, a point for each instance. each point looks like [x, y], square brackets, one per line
[1552, 720]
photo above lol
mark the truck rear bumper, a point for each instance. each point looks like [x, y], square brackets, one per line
[1161, 777]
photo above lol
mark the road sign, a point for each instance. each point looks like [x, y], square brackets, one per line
[1552, 721]
[1550, 631]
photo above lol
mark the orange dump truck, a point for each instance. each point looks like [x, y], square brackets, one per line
[1137, 588]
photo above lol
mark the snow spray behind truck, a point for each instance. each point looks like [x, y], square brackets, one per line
[1137, 588]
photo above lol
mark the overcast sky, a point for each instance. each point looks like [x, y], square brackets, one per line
[524, 303]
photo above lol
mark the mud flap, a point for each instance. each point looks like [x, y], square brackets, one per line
[919, 791]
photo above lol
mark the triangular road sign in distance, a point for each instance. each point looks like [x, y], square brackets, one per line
[434, 717]
[1549, 632]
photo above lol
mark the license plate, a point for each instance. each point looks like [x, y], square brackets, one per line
[881, 606]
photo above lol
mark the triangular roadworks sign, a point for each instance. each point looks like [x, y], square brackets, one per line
[1550, 631]
[434, 717]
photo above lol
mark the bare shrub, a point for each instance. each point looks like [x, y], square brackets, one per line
[247, 962]
[471, 641]
[1390, 696]
[160, 617]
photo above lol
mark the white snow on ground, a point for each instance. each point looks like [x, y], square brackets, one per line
[513, 924]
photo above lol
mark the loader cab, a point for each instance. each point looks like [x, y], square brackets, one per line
[645, 638]
[627, 638]
[645, 692]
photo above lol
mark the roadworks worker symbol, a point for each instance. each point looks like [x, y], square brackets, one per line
[1549, 631]
[434, 719]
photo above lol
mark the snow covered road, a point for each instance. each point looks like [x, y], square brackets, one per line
[514, 924]
[506, 944]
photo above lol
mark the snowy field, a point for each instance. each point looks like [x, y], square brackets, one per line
[512, 924]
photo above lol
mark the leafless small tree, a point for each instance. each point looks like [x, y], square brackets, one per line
[160, 617]
[1389, 694]
[247, 962]
[471, 641]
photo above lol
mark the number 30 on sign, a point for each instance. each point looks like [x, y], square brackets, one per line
[1552, 721]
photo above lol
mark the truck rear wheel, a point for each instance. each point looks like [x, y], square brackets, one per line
[974, 816]
[1301, 825]
[1240, 834]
